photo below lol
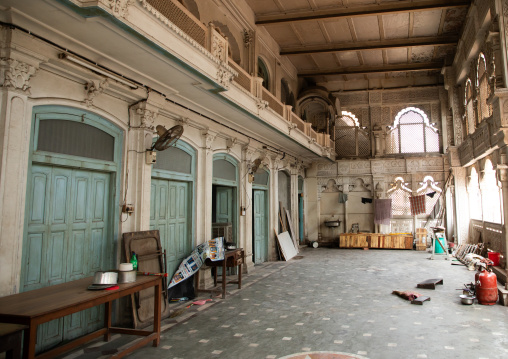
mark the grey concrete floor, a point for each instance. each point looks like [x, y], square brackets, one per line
[334, 300]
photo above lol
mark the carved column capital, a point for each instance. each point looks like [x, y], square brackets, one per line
[208, 138]
[144, 116]
[16, 74]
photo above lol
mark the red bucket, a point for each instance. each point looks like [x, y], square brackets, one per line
[494, 257]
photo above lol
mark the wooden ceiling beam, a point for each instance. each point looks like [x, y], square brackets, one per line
[427, 66]
[355, 11]
[372, 45]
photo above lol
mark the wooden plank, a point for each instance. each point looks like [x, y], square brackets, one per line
[286, 245]
[291, 231]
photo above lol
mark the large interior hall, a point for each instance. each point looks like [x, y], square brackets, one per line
[162, 148]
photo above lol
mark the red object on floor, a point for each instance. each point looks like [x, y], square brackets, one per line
[113, 288]
[494, 257]
[486, 287]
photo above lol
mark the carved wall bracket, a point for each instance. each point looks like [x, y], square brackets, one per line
[93, 89]
[208, 138]
[16, 74]
[119, 7]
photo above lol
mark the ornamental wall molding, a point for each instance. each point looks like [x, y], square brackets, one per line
[146, 118]
[177, 31]
[224, 76]
[119, 7]
[93, 89]
[16, 74]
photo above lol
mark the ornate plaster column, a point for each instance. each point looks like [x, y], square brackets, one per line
[461, 205]
[294, 199]
[503, 177]
[379, 140]
[274, 207]
[204, 198]
[246, 206]
[15, 123]
[139, 174]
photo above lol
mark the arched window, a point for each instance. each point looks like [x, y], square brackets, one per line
[490, 194]
[263, 73]
[399, 194]
[468, 102]
[429, 186]
[412, 133]
[350, 139]
[475, 201]
[484, 109]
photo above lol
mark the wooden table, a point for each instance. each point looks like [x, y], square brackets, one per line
[39, 306]
[232, 258]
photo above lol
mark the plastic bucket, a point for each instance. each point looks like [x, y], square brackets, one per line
[437, 247]
[494, 257]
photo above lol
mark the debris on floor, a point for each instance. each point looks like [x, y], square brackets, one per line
[430, 283]
[407, 295]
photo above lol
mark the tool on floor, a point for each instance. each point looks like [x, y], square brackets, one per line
[430, 283]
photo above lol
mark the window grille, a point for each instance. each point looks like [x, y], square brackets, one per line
[175, 160]
[400, 203]
[399, 195]
[75, 139]
[412, 133]
[429, 186]
[350, 139]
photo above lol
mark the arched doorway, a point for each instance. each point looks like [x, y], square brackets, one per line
[171, 202]
[71, 220]
[260, 215]
[225, 207]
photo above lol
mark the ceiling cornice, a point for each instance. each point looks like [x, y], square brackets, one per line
[355, 11]
[372, 45]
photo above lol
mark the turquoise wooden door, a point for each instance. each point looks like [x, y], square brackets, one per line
[66, 239]
[169, 213]
[224, 205]
[260, 235]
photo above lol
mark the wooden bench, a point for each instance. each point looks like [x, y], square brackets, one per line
[11, 340]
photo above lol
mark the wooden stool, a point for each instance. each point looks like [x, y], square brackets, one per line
[11, 339]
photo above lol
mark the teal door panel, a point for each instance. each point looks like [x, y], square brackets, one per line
[224, 205]
[260, 235]
[169, 213]
[66, 239]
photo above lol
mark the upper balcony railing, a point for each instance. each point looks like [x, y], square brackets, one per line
[211, 39]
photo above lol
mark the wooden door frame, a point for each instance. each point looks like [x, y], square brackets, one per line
[233, 184]
[184, 177]
[113, 168]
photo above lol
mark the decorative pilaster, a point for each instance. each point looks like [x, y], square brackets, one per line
[15, 124]
[138, 186]
[274, 207]
[247, 203]
[503, 177]
[461, 205]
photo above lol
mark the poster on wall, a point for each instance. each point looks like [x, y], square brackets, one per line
[213, 249]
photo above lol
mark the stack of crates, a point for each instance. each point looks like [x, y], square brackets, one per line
[421, 239]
